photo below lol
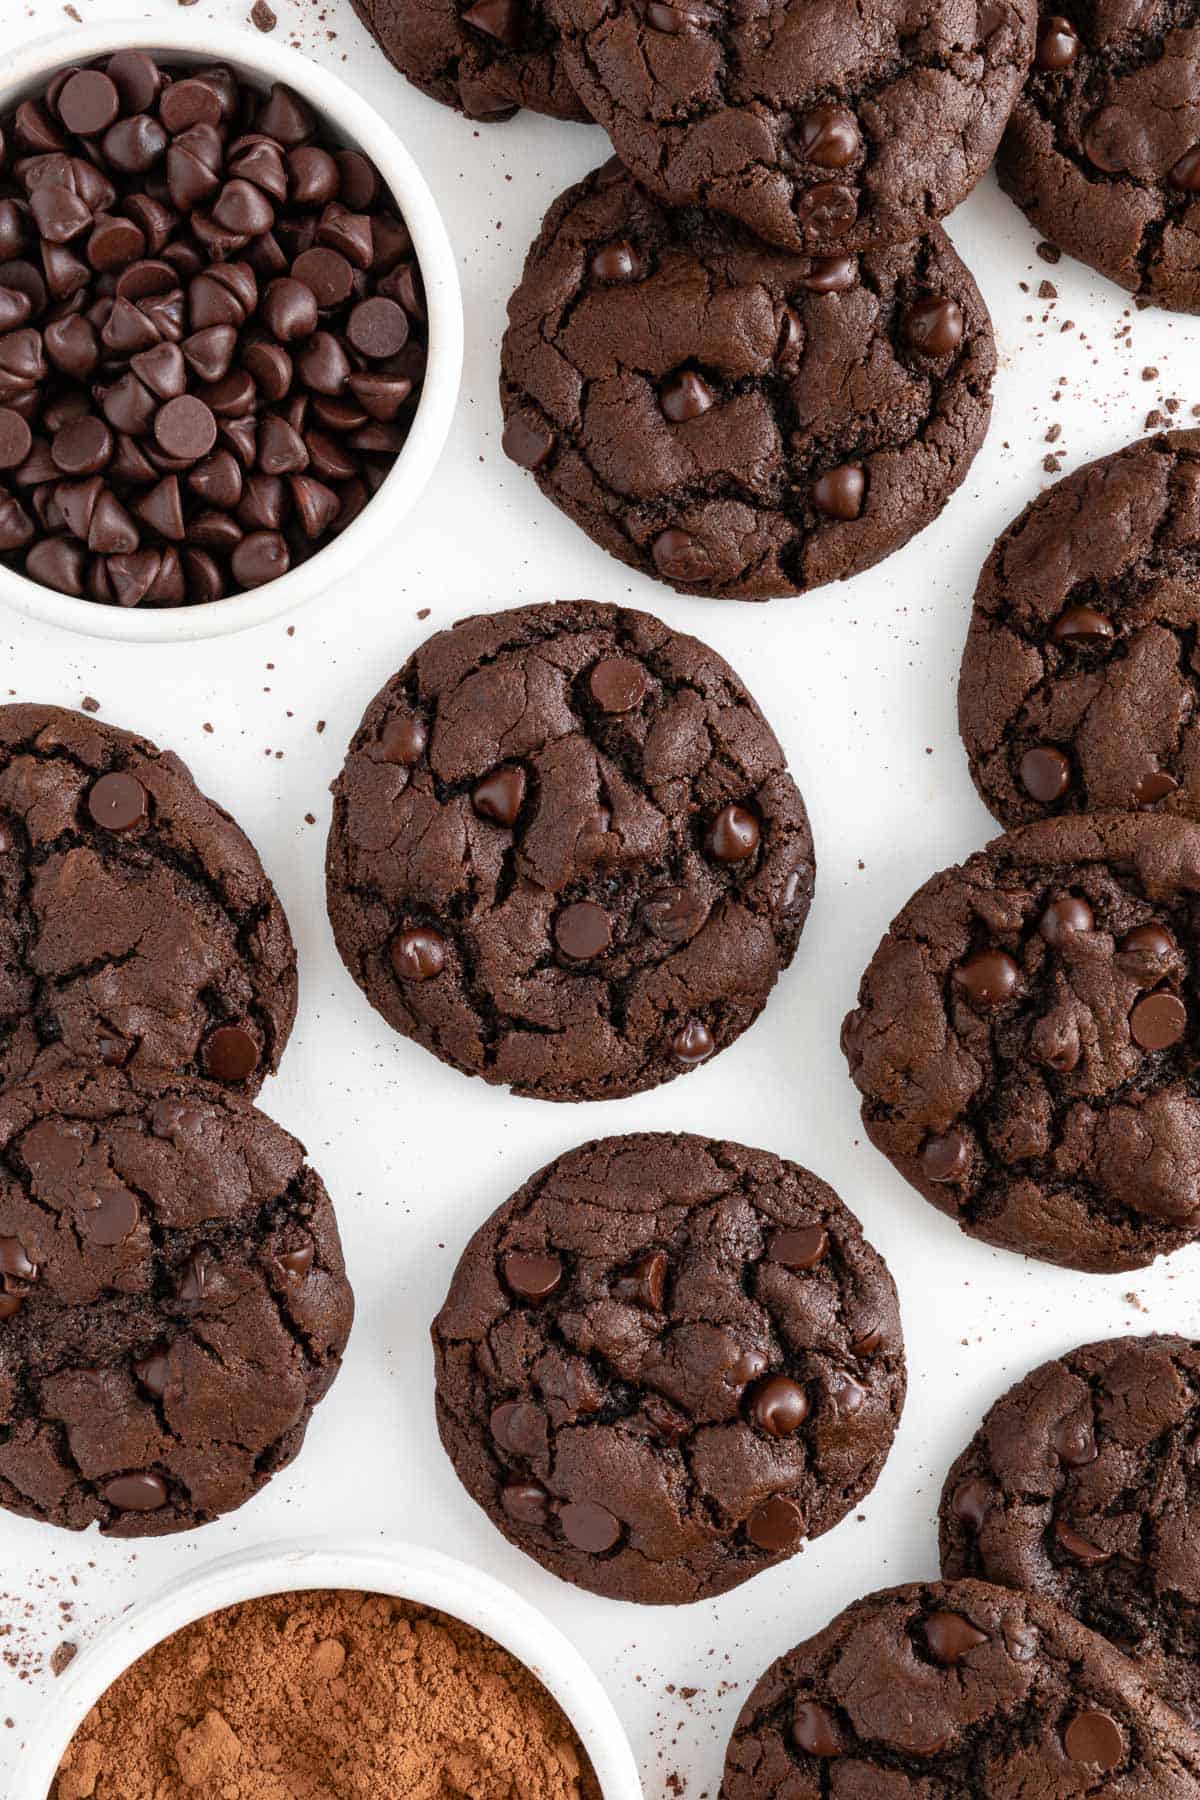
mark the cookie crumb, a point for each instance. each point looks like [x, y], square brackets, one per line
[89, 704]
[62, 1657]
[262, 16]
[1049, 253]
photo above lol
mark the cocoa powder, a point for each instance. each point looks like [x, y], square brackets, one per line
[326, 1696]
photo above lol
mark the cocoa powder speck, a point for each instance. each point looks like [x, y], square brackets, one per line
[329, 1696]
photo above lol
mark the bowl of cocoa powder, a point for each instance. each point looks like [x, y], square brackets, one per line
[328, 1672]
[230, 331]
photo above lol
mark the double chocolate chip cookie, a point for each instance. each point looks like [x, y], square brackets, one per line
[566, 853]
[1082, 1485]
[137, 927]
[665, 1363]
[173, 1302]
[1103, 148]
[822, 127]
[485, 58]
[1079, 689]
[734, 420]
[1025, 1040]
[957, 1691]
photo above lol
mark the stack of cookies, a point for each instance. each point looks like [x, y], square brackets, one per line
[173, 1300]
[743, 356]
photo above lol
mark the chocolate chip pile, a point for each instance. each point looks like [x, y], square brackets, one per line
[212, 334]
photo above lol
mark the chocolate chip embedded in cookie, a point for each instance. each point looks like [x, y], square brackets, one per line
[1103, 148]
[1024, 1040]
[485, 58]
[1078, 690]
[824, 127]
[665, 1363]
[566, 853]
[137, 927]
[173, 1302]
[957, 1691]
[1080, 1486]
[734, 420]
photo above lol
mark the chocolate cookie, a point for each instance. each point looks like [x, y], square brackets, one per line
[1079, 691]
[486, 59]
[1082, 1485]
[1025, 1040]
[137, 926]
[823, 127]
[735, 420]
[1103, 149]
[957, 1691]
[665, 1363]
[566, 853]
[173, 1302]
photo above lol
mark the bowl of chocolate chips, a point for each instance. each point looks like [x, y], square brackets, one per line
[230, 331]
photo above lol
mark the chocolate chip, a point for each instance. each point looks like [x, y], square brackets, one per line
[231, 1053]
[828, 136]
[674, 914]
[294, 1266]
[618, 684]
[681, 557]
[779, 1406]
[1081, 625]
[154, 1372]
[1078, 1548]
[645, 1281]
[1045, 773]
[582, 931]
[987, 979]
[1065, 919]
[950, 1637]
[831, 275]
[143, 1492]
[934, 326]
[1095, 1738]
[1153, 787]
[525, 1502]
[619, 262]
[500, 795]
[289, 309]
[88, 102]
[733, 835]
[403, 740]
[259, 558]
[1058, 44]
[532, 1276]
[118, 802]
[1186, 172]
[776, 1525]
[108, 1216]
[685, 395]
[801, 1247]
[185, 428]
[839, 492]
[16, 439]
[1159, 1021]
[828, 210]
[692, 1044]
[418, 954]
[814, 1729]
[971, 1502]
[944, 1157]
[589, 1526]
[1075, 1443]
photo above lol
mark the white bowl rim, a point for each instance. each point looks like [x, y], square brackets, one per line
[408, 1571]
[350, 117]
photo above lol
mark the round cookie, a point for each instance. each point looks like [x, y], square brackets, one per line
[566, 853]
[957, 1691]
[1081, 1485]
[734, 420]
[485, 59]
[173, 1302]
[1103, 148]
[1078, 690]
[136, 924]
[1025, 1040]
[666, 1362]
[823, 128]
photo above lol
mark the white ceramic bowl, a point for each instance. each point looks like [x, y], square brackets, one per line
[404, 1570]
[352, 122]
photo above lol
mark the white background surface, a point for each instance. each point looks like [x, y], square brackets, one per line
[858, 681]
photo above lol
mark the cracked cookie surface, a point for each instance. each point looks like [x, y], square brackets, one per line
[823, 128]
[666, 1362]
[1102, 152]
[957, 1691]
[1082, 1485]
[173, 1301]
[485, 59]
[1025, 1040]
[137, 927]
[566, 853]
[734, 420]
[1080, 682]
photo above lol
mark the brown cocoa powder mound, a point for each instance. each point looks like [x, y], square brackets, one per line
[326, 1696]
